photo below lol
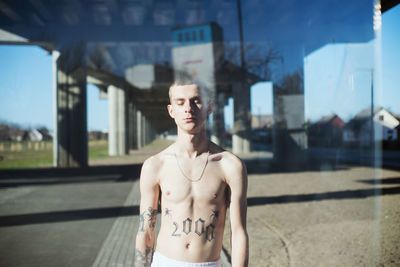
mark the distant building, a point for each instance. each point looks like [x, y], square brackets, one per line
[97, 135]
[261, 126]
[262, 121]
[4, 132]
[38, 135]
[18, 135]
[326, 132]
[358, 131]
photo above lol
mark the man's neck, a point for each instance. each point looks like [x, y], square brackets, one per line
[191, 145]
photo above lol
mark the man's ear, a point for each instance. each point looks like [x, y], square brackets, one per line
[170, 111]
[210, 108]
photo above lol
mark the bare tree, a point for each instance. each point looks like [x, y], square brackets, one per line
[97, 59]
[292, 84]
[259, 58]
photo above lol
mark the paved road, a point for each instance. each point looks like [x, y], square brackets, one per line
[72, 217]
[327, 216]
[385, 158]
[59, 221]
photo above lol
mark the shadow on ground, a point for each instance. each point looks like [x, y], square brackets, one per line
[70, 215]
[336, 195]
[269, 165]
[53, 176]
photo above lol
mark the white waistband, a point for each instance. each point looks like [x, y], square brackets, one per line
[160, 260]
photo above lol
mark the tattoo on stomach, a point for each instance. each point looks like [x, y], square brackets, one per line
[176, 229]
[199, 226]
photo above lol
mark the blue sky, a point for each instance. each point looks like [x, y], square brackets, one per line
[391, 59]
[337, 80]
[26, 86]
[26, 95]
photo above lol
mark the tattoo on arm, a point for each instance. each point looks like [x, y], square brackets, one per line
[143, 260]
[141, 222]
[149, 216]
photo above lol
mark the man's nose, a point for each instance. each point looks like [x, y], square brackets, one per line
[188, 107]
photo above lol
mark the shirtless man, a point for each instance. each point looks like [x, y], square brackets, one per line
[195, 181]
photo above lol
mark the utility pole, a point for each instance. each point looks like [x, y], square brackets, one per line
[242, 61]
[372, 119]
[241, 136]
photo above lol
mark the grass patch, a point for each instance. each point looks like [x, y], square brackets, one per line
[15, 155]
[26, 159]
[98, 149]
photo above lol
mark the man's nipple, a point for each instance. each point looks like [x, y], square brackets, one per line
[168, 193]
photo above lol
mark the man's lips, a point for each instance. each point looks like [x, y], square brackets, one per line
[189, 119]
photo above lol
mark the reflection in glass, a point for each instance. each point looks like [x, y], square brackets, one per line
[314, 148]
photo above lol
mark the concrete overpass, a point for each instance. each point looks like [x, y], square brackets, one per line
[137, 104]
[96, 42]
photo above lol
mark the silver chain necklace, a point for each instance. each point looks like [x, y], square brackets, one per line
[186, 176]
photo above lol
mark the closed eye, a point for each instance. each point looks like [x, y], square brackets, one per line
[179, 102]
[197, 101]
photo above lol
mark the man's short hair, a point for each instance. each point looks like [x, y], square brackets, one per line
[183, 78]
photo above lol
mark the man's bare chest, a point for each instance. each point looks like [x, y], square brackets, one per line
[176, 187]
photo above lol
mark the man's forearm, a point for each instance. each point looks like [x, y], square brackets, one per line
[144, 249]
[143, 258]
[240, 248]
[145, 238]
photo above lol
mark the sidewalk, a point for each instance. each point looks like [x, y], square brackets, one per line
[335, 216]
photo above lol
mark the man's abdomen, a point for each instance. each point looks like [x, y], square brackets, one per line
[192, 237]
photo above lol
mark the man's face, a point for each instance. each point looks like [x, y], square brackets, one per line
[187, 108]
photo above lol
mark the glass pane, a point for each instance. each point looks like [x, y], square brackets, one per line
[304, 92]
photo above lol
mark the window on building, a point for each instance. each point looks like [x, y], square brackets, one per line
[202, 35]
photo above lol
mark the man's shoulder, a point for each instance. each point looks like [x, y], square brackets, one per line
[157, 160]
[228, 160]
[152, 165]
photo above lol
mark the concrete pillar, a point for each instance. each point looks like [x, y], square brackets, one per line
[112, 93]
[55, 56]
[242, 119]
[150, 133]
[139, 131]
[71, 113]
[144, 130]
[289, 137]
[118, 132]
[122, 123]
[132, 126]
[218, 119]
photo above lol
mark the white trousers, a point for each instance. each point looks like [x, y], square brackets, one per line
[160, 260]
